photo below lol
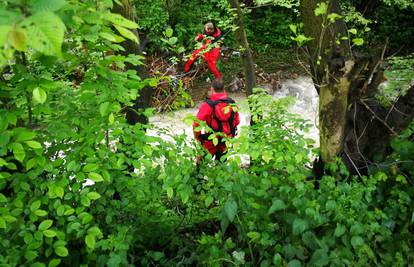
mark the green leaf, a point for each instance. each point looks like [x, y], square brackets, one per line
[60, 210]
[299, 226]
[87, 218]
[321, 9]
[127, 33]
[40, 213]
[90, 241]
[209, 199]
[59, 191]
[357, 241]
[31, 163]
[93, 195]
[340, 230]
[54, 262]
[294, 263]
[12, 118]
[25, 135]
[230, 208]
[353, 31]
[358, 41]
[45, 32]
[401, 178]
[333, 17]
[170, 192]
[4, 32]
[184, 193]
[30, 255]
[95, 177]
[61, 251]
[147, 150]
[95, 231]
[319, 258]
[168, 32]
[111, 37]
[90, 167]
[49, 233]
[85, 201]
[356, 229]
[293, 28]
[111, 118]
[18, 151]
[104, 108]
[330, 205]
[11, 166]
[35, 205]
[276, 206]
[38, 264]
[69, 211]
[45, 225]
[172, 40]
[2, 162]
[253, 235]
[34, 144]
[72, 166]
[2, 223]
[119, 20]
[39, 95]
[8, 17]
[18, 38]
[45, 5]
[28, 238]
[301, 39]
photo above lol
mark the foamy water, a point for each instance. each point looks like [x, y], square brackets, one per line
[306, 105]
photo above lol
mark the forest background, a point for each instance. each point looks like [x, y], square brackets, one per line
[79, 80]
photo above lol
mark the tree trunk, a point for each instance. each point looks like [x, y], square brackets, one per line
[330, 65]
[246, 54]
[134, 114]
[353, 125]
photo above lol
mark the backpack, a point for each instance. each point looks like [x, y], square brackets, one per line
[224, 122]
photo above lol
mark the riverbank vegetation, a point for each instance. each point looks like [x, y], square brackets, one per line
[82, 183]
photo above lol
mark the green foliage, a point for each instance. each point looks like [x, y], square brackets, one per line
[79, 186]
[268, 27]
[384, 24]
[185, 18]
[399, 74]
[403, 4]
[282, 3]
[299, 37]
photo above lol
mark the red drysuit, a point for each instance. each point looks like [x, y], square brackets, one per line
[221, 116]
[210, 56]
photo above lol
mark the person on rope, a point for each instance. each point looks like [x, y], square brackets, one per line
[210, 49]
[219, 115]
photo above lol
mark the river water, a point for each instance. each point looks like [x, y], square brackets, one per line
[301, 88]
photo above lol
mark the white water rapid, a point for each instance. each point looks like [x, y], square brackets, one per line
[306, 105]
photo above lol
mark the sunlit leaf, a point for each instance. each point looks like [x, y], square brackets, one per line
[45, 32]
[39, 95]
[61, 251]
[230, 208]
[90, 241]
[119, 20]
[45, 225]
[127, 33]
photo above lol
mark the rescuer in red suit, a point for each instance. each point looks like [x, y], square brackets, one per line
[210, 49]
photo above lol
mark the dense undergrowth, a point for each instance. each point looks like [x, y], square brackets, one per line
[81, 187]
[150, 206]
